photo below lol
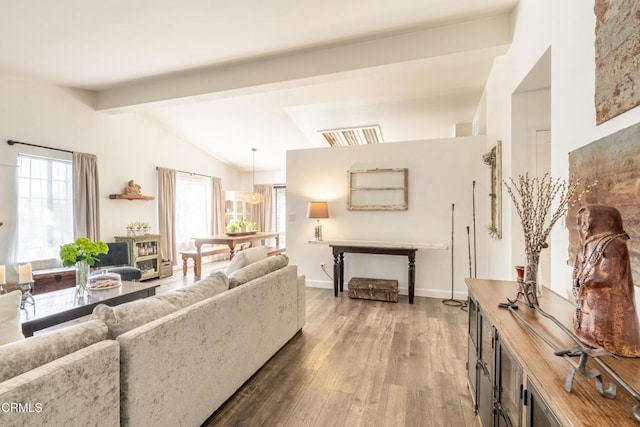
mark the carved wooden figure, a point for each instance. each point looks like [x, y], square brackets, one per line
[602, 285]
[132, 188]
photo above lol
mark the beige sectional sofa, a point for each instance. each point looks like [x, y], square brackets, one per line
[179, 356]
[67, 377]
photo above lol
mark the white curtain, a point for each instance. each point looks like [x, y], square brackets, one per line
[167, 214]
[263, 212]
[217, 207]
[86, 202]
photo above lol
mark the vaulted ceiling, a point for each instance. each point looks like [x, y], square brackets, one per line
[228, 76]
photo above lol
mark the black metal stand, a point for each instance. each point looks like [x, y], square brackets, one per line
[451, 301]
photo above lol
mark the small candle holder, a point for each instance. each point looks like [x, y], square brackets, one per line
[27, 298]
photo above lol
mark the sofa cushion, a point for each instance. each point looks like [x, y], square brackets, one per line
[23, 356]
[239, 260]
[10, 329]
[209, 286]
[123, 318]
[255, 254]
[257, 269]
[248, 256]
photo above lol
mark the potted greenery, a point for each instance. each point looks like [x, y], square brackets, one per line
[82, 254]
[241, 226]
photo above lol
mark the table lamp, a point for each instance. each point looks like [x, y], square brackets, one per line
[318, 210]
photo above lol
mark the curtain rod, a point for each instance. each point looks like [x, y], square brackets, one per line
[188, 173]
[12, 142]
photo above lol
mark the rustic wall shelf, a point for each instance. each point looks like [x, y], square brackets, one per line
[130, 196]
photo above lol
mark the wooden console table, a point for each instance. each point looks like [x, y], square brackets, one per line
[340, 247]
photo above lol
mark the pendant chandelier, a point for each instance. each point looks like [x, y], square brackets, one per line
[254, 198]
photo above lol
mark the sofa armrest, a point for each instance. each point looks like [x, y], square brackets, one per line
[22, 356]
[83, 386]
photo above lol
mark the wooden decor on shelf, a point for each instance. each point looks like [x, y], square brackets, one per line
[131, 192]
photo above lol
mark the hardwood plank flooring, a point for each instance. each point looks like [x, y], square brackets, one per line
[356, 363]
[362, 363]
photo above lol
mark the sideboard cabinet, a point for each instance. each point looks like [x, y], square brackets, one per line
[516, 380]
[144, 253]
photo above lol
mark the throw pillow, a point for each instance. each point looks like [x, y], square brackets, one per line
[210, 286]
[122, 318]
[255, 254]
[10, 326]
[239, 260]
[257, 269]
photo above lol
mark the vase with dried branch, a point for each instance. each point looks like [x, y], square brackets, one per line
[540, 203]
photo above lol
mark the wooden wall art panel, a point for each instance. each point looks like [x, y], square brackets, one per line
[615, 162]
[617, 57]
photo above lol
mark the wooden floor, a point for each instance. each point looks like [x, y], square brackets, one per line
[357, 363]
[362, 363]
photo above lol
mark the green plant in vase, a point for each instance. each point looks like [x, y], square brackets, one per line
[82, 254]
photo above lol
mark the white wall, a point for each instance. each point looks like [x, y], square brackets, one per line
[441, 173]
[529, 113]
[128, 146]
[567, 27]
[262, 177]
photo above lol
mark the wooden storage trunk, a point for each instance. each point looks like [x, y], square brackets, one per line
[53, 279]
[373, 289]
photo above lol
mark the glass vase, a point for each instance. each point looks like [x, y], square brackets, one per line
[531, 273]
[82, 278]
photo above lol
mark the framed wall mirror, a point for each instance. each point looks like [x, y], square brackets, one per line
[378, 190]
[493, 159]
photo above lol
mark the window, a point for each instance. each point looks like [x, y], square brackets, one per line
[193, 209]
[280, 212]
[45, 208]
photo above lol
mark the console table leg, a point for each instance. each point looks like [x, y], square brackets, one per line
[184, 265]
[198, 261]
[412, 276]
[341, 271]
[336, 274]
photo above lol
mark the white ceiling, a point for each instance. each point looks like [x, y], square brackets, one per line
[231, 75]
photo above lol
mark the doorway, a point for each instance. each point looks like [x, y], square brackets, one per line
[531, 147]
[542, 161]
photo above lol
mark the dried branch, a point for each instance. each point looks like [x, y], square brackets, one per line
[533, 199]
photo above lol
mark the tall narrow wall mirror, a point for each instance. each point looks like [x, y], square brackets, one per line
[493, 159]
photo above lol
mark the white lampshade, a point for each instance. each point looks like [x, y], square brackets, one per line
[318, 210]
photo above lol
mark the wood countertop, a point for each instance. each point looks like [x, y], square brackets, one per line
[583, 406]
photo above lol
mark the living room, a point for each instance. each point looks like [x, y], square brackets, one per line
[542, 77]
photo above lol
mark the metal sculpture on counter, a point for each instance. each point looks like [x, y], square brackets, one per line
[605, 313]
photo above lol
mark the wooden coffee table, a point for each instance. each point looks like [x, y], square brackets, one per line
[53, 308]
